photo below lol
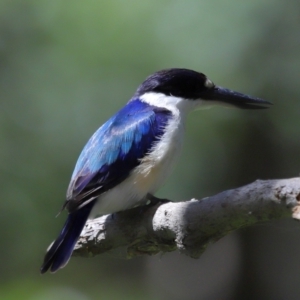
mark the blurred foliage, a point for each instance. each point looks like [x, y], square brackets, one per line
[66, 66]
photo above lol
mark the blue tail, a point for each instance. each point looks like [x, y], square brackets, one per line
[61, 250]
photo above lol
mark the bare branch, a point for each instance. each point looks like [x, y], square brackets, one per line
[190, 226]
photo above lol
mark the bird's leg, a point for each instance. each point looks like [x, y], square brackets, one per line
[154, 200]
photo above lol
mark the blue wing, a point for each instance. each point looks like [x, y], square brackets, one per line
[114, 150]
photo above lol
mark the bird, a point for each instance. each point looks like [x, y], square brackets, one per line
[128, 158]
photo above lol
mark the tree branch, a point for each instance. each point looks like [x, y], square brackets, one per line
[190, 226]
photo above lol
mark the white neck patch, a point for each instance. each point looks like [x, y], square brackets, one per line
[172, 103]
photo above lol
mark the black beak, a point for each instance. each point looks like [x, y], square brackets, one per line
[232, 98]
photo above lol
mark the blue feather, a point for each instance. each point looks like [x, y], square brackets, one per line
[61, 250]
[115, 149]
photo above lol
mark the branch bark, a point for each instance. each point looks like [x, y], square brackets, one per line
[190, 226]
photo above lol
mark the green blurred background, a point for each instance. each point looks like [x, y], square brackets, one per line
[66, 66]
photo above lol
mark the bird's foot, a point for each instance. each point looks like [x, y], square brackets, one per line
[154, 200]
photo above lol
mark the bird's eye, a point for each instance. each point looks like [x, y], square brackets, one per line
[208, 84]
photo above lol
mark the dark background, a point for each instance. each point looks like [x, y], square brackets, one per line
[67, 66]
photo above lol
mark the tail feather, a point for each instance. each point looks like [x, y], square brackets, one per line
[61, 249]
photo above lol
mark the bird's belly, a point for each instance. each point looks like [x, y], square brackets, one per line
[133, 190]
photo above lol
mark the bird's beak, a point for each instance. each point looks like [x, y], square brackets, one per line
[231, 98]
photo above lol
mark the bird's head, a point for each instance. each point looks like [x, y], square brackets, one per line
[189, 89]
